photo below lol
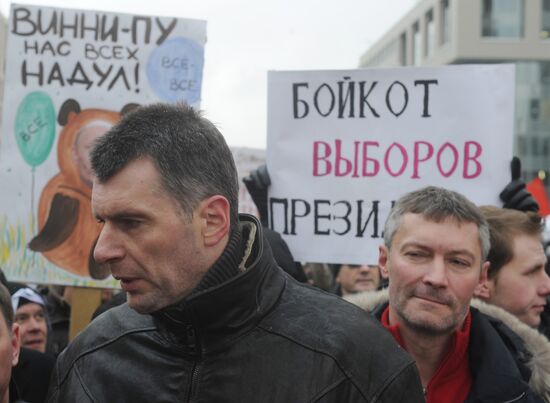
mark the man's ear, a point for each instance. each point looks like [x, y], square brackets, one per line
[215, 214]
[383, 261]
[15, 343]
[482, 289]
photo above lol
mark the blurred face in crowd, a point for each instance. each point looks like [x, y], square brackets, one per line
[433, 268]
[9, 355]
[522, 285]
[154, 249]
[31, 319]
[356, 278]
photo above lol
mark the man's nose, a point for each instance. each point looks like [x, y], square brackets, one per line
[544, 285]
[34, 323]
[436, 273]
[108, 247]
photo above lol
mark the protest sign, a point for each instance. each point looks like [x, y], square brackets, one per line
[70, 75]
[246, 160]
[343, 145]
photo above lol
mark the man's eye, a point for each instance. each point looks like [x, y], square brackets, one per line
[535, 271]
[21, 318]
[460, 262]
[129, 223]
[415, 254]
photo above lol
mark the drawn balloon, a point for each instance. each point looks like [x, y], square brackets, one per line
[35, 127]
[174, 70]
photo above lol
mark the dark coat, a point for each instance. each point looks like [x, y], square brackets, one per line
[31, 376]
[500, 360]
[259, 336]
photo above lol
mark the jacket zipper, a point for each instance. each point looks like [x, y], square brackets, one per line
[194, 349]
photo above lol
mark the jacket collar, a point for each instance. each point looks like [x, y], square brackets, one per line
[237, 291]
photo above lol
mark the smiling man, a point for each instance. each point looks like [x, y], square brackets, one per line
[435, 251]
[210, 316]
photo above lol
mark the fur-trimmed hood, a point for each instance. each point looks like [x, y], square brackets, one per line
[536, 343]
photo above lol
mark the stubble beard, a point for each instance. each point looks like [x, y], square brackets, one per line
[426, 323]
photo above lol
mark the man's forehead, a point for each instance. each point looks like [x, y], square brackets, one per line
[128, 187]
[412, 231]
[530, 245]
[30, 306]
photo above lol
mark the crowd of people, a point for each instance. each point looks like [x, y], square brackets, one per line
[215, 309]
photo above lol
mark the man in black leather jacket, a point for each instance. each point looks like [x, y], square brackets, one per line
[210, 317]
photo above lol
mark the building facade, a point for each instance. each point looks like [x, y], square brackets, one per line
[437, 32]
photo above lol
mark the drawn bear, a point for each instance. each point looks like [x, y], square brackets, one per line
[68, 231]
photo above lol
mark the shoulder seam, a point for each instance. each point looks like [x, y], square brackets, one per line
[99, 346]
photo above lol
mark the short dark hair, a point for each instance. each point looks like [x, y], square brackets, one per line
[504, 226]
[6, 307]
[437, 204]
[191, 155]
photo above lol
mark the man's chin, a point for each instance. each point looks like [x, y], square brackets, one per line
[428, 323]
[137, 304]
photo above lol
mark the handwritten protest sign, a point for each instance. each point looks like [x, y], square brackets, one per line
[70, 75]
[342, 145]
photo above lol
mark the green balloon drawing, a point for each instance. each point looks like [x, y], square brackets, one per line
[35, 127]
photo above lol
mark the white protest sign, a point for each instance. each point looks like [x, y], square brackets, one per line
[342, 145]
[70, 75]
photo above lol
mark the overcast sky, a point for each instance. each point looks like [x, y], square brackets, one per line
[247, 38]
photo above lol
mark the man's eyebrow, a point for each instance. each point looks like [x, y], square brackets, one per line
[123, 215]
[426, 247]
[415, 244]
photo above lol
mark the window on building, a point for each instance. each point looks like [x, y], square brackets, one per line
[430, 34]
[545, 24]
[534, 109]
[522, 145]
[502, 18]
[445, 22]
[545, 73]
[403, 49]
[416, 45]
[535, 146]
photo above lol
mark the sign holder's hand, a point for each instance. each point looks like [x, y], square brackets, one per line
[515, 196]
[257, 184]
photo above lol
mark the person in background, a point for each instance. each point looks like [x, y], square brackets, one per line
[30, 315]
[30, 377]
[319, 275]
[58, 310]
[517, 280]
[9, 347]
[436, 244]
[209, 315]
[515, 196]
[354, 278]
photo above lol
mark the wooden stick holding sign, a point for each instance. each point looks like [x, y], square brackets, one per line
[84, 302]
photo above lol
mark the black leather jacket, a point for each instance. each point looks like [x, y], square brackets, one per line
[258, 337]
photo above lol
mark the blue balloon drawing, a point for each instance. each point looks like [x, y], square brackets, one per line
[174, 70]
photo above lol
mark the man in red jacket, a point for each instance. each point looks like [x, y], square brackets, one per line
[435, 251]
